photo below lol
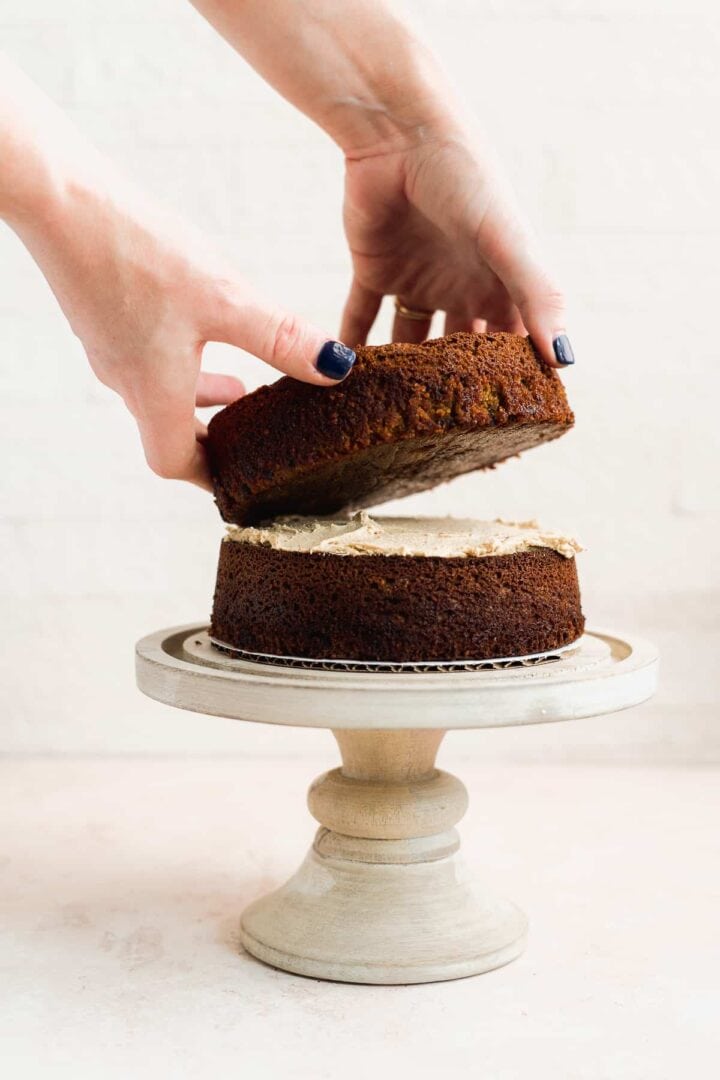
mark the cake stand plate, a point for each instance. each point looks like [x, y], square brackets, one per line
[382, 896]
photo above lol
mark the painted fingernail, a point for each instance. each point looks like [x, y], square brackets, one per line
[335, 360]
[563, 350]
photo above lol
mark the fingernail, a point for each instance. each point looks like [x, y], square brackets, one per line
[563, 350]
[335, 360]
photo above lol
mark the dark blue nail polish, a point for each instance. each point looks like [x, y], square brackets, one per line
[335, 360]
[563, 350]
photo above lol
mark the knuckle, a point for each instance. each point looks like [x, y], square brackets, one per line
[548, 294]
[545, 298]
[105, 368]
[554, 298]
[163, 467]
[286, 336]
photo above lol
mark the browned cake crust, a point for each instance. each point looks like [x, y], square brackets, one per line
[394, 607]
[407, 417]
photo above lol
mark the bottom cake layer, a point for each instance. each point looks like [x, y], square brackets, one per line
[388, 607]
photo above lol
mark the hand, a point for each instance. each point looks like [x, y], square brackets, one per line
[426, 215]
[144, 293]
[432, 224]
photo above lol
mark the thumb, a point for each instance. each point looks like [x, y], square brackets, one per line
[283, 340]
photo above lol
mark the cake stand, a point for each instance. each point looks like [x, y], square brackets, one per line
[382, 896]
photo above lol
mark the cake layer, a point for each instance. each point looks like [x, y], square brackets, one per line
[394, 607]
[407, 417]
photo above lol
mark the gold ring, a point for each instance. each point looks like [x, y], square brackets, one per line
[412, 313]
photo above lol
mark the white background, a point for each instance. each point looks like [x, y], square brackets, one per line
[605, 112]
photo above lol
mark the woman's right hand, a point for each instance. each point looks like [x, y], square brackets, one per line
[141, 289]
[144, 293]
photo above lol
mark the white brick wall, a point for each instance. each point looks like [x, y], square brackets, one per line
[605, 113]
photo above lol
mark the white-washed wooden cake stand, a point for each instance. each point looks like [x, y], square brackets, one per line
[382, 896]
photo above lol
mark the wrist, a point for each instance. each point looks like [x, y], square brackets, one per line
[28, 181]
[43, 191]
[67, 212]
[401, 104]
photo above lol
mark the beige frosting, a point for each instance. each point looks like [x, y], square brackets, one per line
[362, 535]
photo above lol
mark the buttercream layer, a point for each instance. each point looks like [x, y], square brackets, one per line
[410, 536]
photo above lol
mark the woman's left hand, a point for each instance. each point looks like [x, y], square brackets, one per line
[433, 225]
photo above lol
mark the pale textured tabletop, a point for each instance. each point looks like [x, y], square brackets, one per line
[122, 882]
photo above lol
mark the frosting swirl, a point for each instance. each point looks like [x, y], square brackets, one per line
[364, 535]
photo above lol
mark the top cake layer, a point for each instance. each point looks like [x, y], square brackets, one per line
[408, 417]
[444, 537]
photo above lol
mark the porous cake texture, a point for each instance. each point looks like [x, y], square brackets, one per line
[407, 417]
[402, 590]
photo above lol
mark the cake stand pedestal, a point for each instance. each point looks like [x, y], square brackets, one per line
[383, 896]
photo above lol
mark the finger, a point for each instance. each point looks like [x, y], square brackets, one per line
[217, 389]
[285, 341]
[169, 432]
[539, 303]
[359, 314]
[455, 324]
[410, 330]
[542, 310]
[506, 320]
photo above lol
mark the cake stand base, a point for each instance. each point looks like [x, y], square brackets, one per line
[373, 923]
[383, 896]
